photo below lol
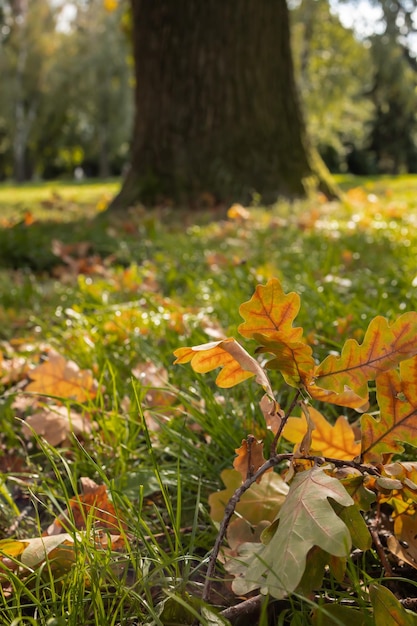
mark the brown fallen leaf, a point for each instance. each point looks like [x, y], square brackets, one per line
[92, 506]
[54, 423]
[155, 380]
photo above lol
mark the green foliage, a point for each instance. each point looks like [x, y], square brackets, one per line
[332, 67]
[69, 96]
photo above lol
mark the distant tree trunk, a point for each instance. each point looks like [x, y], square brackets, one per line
[217, 110]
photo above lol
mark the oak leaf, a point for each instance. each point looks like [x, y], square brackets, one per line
[306, 519]
[403, 543]
[92, 507]
[397, 423]
[335, 441]
[62, 378]
[387, 609]
[347, 397]
[271, 311]
[383, 347]
[250, 457]
[236, 363]
[154, 379]
[30, 552]
[294, 359]
[260, 502]
[55, 423]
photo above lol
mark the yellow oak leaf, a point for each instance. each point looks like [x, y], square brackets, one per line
[62, 378]
[269, 311]
[336, 442]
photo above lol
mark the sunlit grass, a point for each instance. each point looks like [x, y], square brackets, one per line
[63, 201]
[159, 283]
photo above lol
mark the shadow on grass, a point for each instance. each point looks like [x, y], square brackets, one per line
[23, 246]
[126, 236]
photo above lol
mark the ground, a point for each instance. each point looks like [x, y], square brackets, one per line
[92, 307]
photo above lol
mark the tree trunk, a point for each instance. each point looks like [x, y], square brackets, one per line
[217, 109]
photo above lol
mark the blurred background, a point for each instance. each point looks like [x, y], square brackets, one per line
[67, 81]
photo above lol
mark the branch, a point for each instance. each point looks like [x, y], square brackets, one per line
[247, 607]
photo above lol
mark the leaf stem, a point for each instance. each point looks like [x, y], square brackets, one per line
[274, 444]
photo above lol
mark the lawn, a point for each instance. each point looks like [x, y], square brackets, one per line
[108, 449]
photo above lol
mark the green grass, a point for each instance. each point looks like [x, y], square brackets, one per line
[154, 282]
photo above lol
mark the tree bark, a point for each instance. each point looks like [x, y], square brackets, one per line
[217, 110]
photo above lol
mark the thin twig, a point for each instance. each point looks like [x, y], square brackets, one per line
[364, 469]
[380, 551]
[247, 607]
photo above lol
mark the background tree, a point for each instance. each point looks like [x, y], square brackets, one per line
[394, 126]
[24, 63]
[333, 71]
[68, 100]
[217, 108]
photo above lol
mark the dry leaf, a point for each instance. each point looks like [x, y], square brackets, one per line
[62, 378]
[54, 423]
[91, 508]
[249, 458]
[155, 379]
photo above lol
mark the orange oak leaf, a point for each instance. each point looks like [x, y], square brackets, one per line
[383, 347]
[293, 359]
[269, 311]
[335, 441]
[62, 378]
[92, 508]
[396, 393]
[269, 317]
[250, 457]
[346, 398]
[237, 364]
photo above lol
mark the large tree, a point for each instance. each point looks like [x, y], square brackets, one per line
[217, 109]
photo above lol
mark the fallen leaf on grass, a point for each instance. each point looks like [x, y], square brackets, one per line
[154, 380]
[55, 423]
[238, 212]
[91, 508]
[62, 378]
[22, 556]
[12, 370]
